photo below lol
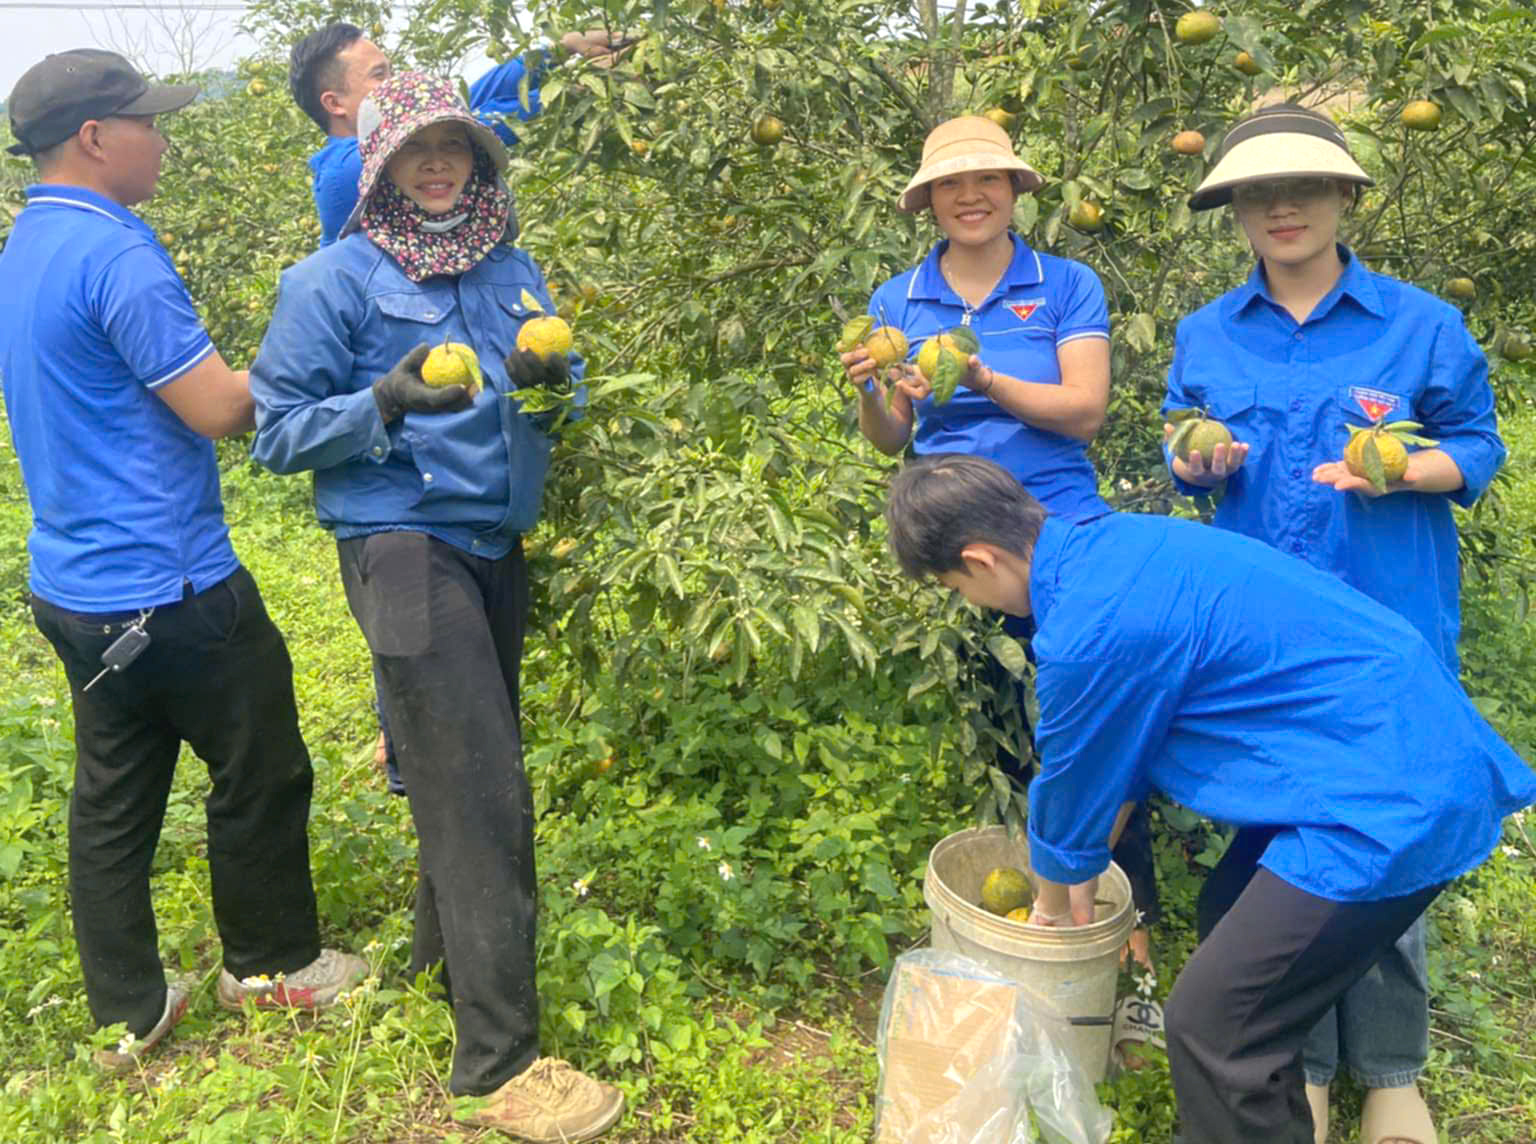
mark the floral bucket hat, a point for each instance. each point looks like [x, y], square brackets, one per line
[394, 111]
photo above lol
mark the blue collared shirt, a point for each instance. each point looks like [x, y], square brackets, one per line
[1040, 304]
[95, 319]
[344, 317]
[1373, 346]
[1257, 690]
[337, 165]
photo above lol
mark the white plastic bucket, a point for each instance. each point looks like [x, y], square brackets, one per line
[1072, 971]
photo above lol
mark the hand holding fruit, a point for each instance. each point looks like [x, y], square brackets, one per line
[1376, 461]
[529, 369]
[1204, 452]
[402, 390]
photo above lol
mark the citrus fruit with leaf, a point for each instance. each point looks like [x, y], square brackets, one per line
[1379, 453]
[999, 116]
[1245, 63]
[1005, 889]
[452, 363]
[1196, 433]
[767, 130]
[945, 358]
[1086, 215]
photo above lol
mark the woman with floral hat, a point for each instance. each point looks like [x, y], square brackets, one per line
[1312, 343]
[429, 489]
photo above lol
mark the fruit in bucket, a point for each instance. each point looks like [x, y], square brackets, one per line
[1019, 915]
[1005, 889]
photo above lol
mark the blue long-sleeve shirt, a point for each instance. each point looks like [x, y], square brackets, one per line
[1372, 346]
[1257, 690]
[495, 95]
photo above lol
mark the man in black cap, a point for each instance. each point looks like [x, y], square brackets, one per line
[115, 394]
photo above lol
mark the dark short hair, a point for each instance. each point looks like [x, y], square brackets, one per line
[314, 69]
[944, 501]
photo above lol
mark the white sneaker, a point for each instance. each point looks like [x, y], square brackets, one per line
[316, 986]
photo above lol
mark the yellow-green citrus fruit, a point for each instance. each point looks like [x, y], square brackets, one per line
[886, 346]
[451, 363]
[545, 336]
[1019, 915]
[1203, 439]
[1393, 453]
[928, 356]
[1189, 143]
[1197, 27]
[1463, 289]
[1246, 64]
[1086, 215]
[997, 115]
[1513, 347]
[767, 131]
[1421, 115]
[1004, 889]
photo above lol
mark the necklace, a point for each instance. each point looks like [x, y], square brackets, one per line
[969, 309]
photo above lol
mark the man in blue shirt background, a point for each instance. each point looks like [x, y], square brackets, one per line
[331, 70]
[114, 393]
[1254, 689]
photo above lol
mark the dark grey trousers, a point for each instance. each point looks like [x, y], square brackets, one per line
[446, 631]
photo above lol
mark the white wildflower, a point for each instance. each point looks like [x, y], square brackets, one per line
[580, 887]
[702, 842]
[726, 873]
[1510, 851]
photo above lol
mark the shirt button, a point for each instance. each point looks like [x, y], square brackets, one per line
[427, 477]
[1296, 473]
[430, 314]
[1295, 407]
[378, 450]
[1298, 335]
[1296, 546]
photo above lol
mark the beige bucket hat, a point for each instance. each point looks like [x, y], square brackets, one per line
[1283, 141]
[969, 143]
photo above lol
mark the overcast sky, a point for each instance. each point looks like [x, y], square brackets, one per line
[150, 38]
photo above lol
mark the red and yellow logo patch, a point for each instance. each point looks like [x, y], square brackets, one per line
[1375, 403]
[1024, 310]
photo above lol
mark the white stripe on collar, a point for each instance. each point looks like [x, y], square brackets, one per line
[76, 203]
[1039, 270]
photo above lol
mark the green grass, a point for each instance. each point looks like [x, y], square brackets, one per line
[728, 1010]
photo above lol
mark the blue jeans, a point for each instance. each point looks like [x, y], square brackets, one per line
[1379, 1030]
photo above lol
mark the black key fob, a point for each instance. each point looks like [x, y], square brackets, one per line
[125, 649]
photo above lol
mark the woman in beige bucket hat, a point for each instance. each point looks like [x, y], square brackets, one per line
[1036, 390]
[1311, 343]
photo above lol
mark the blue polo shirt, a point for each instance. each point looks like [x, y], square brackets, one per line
[1372, 346]
[125, 497]
[1260, 691]
[337, 166]
[1040, 304]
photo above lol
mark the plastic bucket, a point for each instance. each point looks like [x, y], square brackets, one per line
[1071, 971]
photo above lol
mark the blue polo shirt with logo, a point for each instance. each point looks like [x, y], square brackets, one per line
[1373, 347]
[1040, 304]
[125, 497]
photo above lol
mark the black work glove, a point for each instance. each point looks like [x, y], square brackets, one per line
[528, 370]
[401, 390]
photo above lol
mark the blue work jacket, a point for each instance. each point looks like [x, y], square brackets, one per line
[1040, 304]
[1260, 691]
[1373, 346]
[344, 317]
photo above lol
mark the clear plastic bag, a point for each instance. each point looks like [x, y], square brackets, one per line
[968, 1057]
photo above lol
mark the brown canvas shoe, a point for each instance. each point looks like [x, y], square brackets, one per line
[550, 1103]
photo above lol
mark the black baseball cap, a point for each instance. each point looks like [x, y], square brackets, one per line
[54, 97]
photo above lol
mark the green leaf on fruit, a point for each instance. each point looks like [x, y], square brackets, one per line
[1370, 457]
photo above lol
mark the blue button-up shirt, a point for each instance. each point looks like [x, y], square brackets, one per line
[95, 319]
[337, 165]
[1040, 304]
[1256, 690]
[344, 317]
[1373, 346]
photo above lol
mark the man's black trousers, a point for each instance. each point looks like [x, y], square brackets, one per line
[217, 676]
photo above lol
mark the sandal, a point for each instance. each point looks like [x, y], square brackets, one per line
[1396, 1114]
[1137, 1020]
